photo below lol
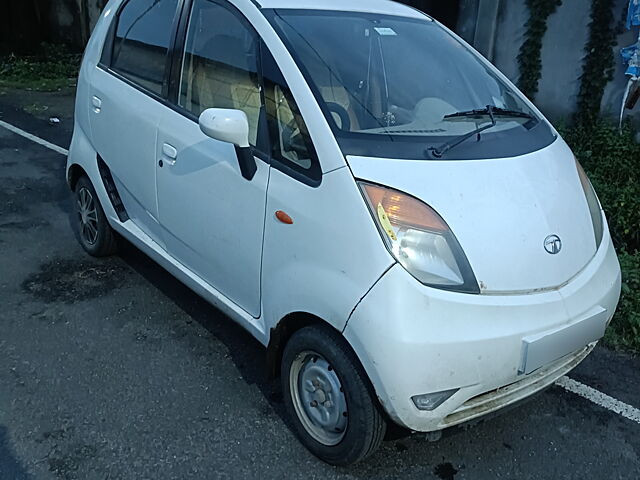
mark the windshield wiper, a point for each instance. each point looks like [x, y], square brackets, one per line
[497, 112]
[489, 110]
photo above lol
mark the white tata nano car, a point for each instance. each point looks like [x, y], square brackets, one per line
[372, 200]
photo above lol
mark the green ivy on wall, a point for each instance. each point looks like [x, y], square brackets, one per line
[530, 56]
[599, 63]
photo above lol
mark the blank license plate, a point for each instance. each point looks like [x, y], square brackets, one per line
[543, 348]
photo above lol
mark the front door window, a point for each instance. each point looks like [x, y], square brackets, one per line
[220, 68]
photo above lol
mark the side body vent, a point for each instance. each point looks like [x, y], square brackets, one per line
[112, 191]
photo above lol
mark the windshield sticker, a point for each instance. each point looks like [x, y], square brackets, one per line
[386, 31]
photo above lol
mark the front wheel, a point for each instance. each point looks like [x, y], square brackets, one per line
[329, 398]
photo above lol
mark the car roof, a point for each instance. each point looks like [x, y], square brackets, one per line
[384, 7]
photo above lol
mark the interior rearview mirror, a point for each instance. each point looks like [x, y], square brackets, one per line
[231, 126]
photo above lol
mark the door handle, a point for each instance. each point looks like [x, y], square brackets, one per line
[170, 153]
[96, 103]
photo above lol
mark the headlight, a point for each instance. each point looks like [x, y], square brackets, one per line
[420, 239]
[594, 205]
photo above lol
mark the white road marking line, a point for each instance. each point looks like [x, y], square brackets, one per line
[599, 398]
[33, 138]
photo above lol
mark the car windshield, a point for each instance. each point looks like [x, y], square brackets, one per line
[386, 78]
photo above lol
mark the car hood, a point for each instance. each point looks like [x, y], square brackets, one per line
[502, 211]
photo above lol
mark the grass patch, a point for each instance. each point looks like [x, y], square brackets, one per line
[51, 70]
[35, 109]
[612, 160]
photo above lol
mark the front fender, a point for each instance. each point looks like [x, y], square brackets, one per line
[328, 259]
[313, 289]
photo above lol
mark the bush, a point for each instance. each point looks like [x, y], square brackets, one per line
[612, 161]
[624, 332]
[52, 69]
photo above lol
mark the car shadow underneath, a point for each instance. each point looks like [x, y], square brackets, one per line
[10, 467]
[247, 354]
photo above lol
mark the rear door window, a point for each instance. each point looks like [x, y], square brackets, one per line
[141, 42]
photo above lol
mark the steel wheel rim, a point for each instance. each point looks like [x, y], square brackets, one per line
[318, 398]
[88, 216]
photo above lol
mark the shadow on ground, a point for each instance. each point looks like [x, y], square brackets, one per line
[10, 468]
[247, 354]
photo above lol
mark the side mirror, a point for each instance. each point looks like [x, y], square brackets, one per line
[231, 126]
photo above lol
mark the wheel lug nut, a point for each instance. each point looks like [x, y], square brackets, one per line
[314, 404]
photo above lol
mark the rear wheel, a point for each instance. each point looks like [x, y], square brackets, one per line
[329, 397]
[95, 234]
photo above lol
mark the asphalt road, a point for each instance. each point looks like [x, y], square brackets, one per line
[111, 369]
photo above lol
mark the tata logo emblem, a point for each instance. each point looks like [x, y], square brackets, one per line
[553, 244]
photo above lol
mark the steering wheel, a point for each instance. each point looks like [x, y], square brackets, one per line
[345, 120]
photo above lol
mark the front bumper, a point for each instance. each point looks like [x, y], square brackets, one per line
[414, 340]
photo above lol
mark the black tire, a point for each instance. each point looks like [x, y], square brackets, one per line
[366, 425]
[103, 241]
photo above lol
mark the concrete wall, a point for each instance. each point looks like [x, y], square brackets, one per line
[72, 21]
[612, 99]
[66, 23]
[495, 27]
[563, 49]
[468, 19]
[510, 30]
[94, 9]
[563, 53]
[24, 25]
